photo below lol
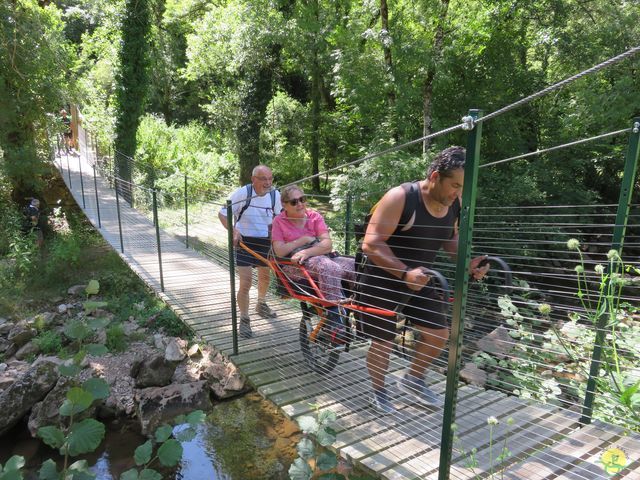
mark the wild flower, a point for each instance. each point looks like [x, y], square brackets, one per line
[573, 244]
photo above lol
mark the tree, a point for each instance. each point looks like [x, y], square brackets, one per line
[34, 61]
[133, 81]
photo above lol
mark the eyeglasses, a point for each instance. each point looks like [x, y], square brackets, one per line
[265, 179]
[294, 201]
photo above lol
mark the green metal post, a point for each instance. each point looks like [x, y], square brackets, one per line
[461, 288]
[68, 171]
[622, 218]
[95, 189]
[155, 222]
[232, 278]
[117, 189]
[347, 226]
[186, 213]
[84, 204]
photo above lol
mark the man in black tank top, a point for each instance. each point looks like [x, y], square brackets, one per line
[397, 255]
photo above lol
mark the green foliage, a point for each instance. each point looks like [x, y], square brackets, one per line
[167, 153]
[49, 342]
[314, 461]
[116, 339]
[11, 469]
[34, 61]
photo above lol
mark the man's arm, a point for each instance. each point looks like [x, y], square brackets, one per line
[383, 223]
[236, 234]
[475, 270]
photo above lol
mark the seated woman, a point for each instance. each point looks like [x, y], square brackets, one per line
[303, 235]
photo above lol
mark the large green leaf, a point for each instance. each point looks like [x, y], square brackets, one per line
[92, 288]
[70, 370]
[306, 449]
[170, 453]
[16, 462]
[163, 433]
[76, 330]
[308, 424]
[327, 461]
[85, 436]
[11, 475]
[131, 474]
[300, 470]
[78, 400]
[150, 474]
[196, 417]
[326, 436]
[52, 436]
[80, 471]
[98, 323]
[98, 387]
[326, 417]
[48, 471]
[185, 434]
[142, 454]
[96, 349]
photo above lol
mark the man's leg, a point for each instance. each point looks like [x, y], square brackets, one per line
[244, 274]
[264, 278]
[262, 309]
[378, 362]
[428, 348]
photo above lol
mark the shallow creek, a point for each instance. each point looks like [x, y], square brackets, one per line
[242, 439]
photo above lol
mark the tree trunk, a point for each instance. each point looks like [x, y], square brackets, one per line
[253, 108]
[133, 87]
[427, 86]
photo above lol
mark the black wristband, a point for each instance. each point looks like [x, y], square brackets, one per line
[404, 273]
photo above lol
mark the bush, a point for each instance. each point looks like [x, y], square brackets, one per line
[116, 339]
[49, 342]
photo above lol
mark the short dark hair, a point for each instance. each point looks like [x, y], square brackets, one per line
[447, 160]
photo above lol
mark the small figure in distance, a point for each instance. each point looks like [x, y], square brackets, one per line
[31, 221]
[397, 256]
[254, 206]
[66, 133]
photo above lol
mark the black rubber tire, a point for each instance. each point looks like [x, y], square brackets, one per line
[321, 356]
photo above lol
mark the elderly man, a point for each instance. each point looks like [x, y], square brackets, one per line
[254, 205]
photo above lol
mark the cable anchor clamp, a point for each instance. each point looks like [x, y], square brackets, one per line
[468, 122]
[636, 127]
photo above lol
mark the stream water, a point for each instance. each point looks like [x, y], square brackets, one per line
[242, 439]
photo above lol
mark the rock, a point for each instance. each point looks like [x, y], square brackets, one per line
[157, 405]
[45, 319]
[156, 371]
[25, 392]
[21, 334]
[4, 345]
[27, 350]
[5, 328]
[225, 380]
[46, 412]
[175, 350]
[6, 381]
[474, 375]
[62, 308]
[3, 367]
[100, 337]
[159, 341]
[193, 351]
[129, 328]
[76, 290]
[498, 342]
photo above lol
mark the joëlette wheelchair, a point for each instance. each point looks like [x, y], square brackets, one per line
[325, 334]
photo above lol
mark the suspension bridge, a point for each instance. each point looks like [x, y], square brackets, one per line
[186, 263]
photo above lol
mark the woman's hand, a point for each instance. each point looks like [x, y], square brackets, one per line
[300, 257]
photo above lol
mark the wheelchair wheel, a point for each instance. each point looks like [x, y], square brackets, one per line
[320, 355]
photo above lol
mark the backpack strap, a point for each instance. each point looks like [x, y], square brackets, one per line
[249, 188]
[273, 202]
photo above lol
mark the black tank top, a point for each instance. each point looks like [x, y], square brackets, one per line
[419, 245]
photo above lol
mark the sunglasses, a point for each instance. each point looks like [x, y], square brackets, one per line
[294, 201]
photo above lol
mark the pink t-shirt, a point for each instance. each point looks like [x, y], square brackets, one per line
[285, 231]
